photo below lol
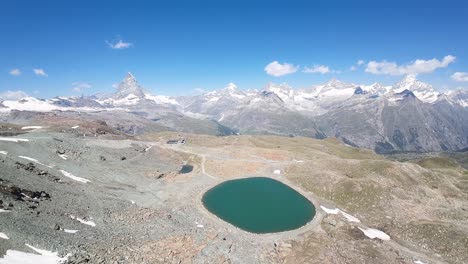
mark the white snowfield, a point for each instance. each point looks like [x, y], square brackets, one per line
[19, 257]
[335, 211]
[130, 99]
[73, 177]
[35, 161]
[419, 262]
[14, 139]
[86, 222]
[38, 105]
[330, 211]
[2, 235]
[369, 232]
[199, 225]
[161, 99]
[71, 231]
[374, 233]
[4, 152]
[31, 127]
[350, 218]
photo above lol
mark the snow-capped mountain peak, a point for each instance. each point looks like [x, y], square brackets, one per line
[129, 86]
[231, 86]
[458, 97]
[231, 90]
[283, 91]
[376, 88]
[335, 83]
[411, 83]
[423, 91]
[334, 88]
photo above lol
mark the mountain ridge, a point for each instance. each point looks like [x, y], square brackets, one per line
[407, 116]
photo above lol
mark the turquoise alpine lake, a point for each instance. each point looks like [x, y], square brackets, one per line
[259, 205]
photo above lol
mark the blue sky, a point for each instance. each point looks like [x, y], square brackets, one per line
[175, 47]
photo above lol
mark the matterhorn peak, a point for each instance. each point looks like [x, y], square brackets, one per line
[130, 76]
[129, 86]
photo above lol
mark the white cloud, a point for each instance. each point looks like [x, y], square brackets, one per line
[40, 72]
[322, 69]
[119, 44]
[356, 66]
[80, 86]
[15, 72]
[277, 69]
[13, 95]
[460, 76]
[416, 67]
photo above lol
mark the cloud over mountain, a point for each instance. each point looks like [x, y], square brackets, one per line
[460, 76]
[414, 68]
[322, 69]
[279, 69]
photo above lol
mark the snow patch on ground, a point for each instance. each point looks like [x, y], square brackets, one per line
[4, 211]
[374, 233]
[148, 148]
[86, 222]
[63, 156]
[277, 172]
[4, 152]
[350, 218]
[73, 177]
[75, 127]
[14, 139]
[2, 235]
[18, 257]
[419, 262]
[45, 257]
[330, 211]
[35, 161]
[31, 127]
[71, 231]
[335, 211]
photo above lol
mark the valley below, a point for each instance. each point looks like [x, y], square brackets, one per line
[113, 198]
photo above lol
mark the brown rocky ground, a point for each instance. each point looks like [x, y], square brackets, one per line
[147, 212]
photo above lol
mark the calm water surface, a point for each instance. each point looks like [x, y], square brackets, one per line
[259, 205]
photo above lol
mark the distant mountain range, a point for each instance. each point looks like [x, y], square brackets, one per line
[408, 116]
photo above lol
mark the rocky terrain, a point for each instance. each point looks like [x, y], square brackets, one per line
[93, 194]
